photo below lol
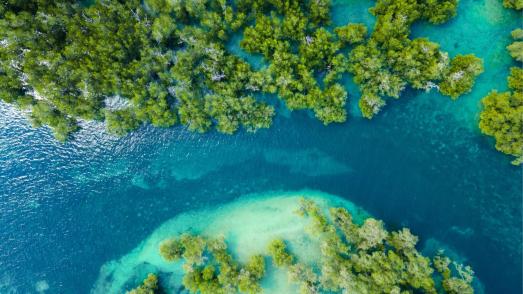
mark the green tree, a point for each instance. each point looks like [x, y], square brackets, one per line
[502, 113]
[351, 258]
[501, 118]
[148, 286]
[352, 33]
[170, 63]
[171, 249]
[515, 4]
[517, 34]
[459, 78]
[279, 254]
[516, 50]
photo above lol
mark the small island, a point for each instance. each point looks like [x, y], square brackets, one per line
[307, 242]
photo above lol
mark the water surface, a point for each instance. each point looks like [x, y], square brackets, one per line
[66, 209]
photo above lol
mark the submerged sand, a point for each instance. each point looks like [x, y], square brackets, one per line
[248, 225]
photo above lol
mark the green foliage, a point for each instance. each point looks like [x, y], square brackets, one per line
[194, 247]
[501, 118]
[516, 50]
[43, 113]
[299, 51]
[144, 54]
[330, 105]
[305, 277]
[171, 249]
[352, 33]
[459, 78]
[502, 113]
[368, 259]
[439, 11]
[169, 62]
[515, 4]
[320, 11]
[319, 221]
[190, 248]
[517, 34]
[454, 285]
[279, 254]
[370, 104]
[352, 258]
[515, 79]
[231, 112]
[210, 269]
[149, 286]
[371, 234]
[253, 272]
[389, 61]
[120, 122]
[403, 240]
[163, 27]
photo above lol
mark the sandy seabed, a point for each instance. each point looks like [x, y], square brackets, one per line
[248, 225]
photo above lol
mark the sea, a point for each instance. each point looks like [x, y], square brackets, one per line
[68, 208]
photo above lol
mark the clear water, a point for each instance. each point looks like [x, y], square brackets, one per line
[66, 209]
[248, 224]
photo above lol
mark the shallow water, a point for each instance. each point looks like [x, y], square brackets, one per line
[66, 209]
[248, 225]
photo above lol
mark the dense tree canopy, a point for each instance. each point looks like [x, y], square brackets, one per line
[515, 4]
[148, 286]
[166, 62]
[516, 50]
[68, 62]
[210, 269]
[389, 61]
[352, 258]
[305, 59]
[459, 77]
[502, 115]
[367, 258]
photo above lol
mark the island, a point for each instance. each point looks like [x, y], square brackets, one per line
[126, 63]
[283, 242]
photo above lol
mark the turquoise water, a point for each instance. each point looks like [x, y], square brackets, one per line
[66, 209]
[248, 224]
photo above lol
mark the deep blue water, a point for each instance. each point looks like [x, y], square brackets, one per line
[65, 209]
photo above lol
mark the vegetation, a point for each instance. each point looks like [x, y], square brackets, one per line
[389, 61]
[148, 286]
[459, 78]
[502, 115]
[292, 38]
[162, 62]
[516, 48]
[166, 62]
[209, 268]
[353, 258]
[278, 253]
[515, 4]
[351, 33]
[367, 258]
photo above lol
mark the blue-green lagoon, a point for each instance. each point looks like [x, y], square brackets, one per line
[70, 210]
